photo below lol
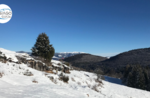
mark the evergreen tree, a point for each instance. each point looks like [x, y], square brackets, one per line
[52, 52]
[126, 73]
[147, 81]
[137, 76]
[130, 81]
[134, 73]
[140, 79]
[43, 48]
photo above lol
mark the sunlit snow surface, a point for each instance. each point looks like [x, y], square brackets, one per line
[14, 84]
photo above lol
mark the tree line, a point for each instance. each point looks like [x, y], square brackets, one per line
[137, 76]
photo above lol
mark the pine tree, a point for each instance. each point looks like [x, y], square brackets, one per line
[130, 81]
[137, 76]
[140, 79]
[52, 52]
[147, 80]
[43, 48]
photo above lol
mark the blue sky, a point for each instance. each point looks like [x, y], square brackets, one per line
[102, 27]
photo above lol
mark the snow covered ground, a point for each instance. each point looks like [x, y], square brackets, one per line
[12, 55]
[14, 84]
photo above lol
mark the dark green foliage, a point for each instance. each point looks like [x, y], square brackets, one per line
[136, 76]
[116, 64]
[147, 80]
[130, 81]
[43, 48]
[52, 52]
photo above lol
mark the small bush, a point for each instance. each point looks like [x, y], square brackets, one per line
[35, 81]
[73, 79]
[61, 74]
[55, 81]
[79, 83]
[100, 83]
[64, 78]
[95, 88]
[51, 78]
[28, 73]
[59, 64]
[1, 75]
[89, 85]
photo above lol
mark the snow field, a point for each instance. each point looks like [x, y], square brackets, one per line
[14, 84]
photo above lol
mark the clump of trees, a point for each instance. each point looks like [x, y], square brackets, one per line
[137, 76]
[43, 48]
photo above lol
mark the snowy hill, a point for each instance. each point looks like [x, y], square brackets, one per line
[14, 83]
[66, 54]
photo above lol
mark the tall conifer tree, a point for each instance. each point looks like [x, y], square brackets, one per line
[43, 48]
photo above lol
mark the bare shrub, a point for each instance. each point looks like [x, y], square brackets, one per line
[99, 81]
[1, 75]
[95, 88]
[89, 85]
[59, 64]
[73, 79]
[61, 74]
[55, 81]
[34, 81]
[19, 67]
[52, 79]
[88, 95]
[79, 83]
[64, 78]
[28, 73]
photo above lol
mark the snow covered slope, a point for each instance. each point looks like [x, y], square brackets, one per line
[12, 55]
[15, 84]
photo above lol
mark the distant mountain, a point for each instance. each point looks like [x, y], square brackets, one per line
[66, 54]
[23, 52]
[57, 55]
[113, 66]
[84, 61]
[116, 63]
